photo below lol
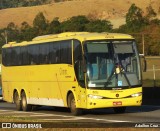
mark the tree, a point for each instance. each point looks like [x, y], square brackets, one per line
[27, 32]
[18, 3]
[99, 26]
[134, 19]
[3, 37]
[54, 26]
[12, 32]
[76, 23]
[152, 39]
[40, 24]
[151, 14]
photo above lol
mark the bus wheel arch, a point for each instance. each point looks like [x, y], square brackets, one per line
[72, 104]
[17, 100]
[25, 105]
[69, 92]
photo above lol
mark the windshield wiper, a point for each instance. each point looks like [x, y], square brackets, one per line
[125, 76]
[109, 78]
[114, 72]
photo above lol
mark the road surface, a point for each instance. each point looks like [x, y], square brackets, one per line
[134, 116]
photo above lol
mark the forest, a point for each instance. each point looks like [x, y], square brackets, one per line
[137, 24]
[24, 3]
[21, 3]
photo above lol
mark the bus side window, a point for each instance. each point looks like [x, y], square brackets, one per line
[4, 56]
[34, 54]
[65, 52]
[17, 59]
[60, 52]
[24, 55]
[53, 52]
[44, 53]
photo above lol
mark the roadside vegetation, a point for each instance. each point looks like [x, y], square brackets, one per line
[137, 24]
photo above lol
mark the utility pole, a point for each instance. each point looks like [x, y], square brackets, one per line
[154, 76]
[143, 43]
[5, 36]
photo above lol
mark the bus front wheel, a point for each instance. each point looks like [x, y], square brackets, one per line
[119, 109]
[72, 105]
[25, 106]
[17, 101]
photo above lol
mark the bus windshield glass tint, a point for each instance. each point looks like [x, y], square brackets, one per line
[112, 64]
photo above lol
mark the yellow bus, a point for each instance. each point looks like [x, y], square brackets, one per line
[77, 70]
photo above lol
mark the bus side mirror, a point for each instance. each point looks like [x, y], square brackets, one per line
[145, 65]
[143, 62]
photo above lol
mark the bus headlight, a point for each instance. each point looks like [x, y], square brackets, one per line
[94, 96]
[136, 94]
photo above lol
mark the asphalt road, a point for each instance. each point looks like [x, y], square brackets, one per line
[142, 116]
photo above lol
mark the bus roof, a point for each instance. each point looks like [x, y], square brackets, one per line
[82, 36]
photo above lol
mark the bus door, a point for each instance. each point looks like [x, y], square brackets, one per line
[78, 62]
[80, 75]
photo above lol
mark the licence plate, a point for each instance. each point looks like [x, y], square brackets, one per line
[117, 103]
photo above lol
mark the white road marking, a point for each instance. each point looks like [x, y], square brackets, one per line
[77, 118]
[5, 110]
[9, 112]
[106, 120]
[2, 113]
[20, 116]
[70, 119]
[83, 118]
[33, 114]
[42, 115]
[64, 117]
[22, 112]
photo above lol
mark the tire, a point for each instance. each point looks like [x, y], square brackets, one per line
[119, 110]
[17, 101]
[72, 105]
[25, 106]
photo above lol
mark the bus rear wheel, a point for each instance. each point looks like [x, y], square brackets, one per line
[72, 105]
[25, 106]
[119, 110]
[17, 101]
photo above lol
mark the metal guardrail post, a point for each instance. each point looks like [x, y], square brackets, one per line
[154, 76]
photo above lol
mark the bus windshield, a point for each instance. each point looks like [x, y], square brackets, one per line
[112, 64]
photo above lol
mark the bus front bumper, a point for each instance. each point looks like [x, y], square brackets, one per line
[104, 103]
